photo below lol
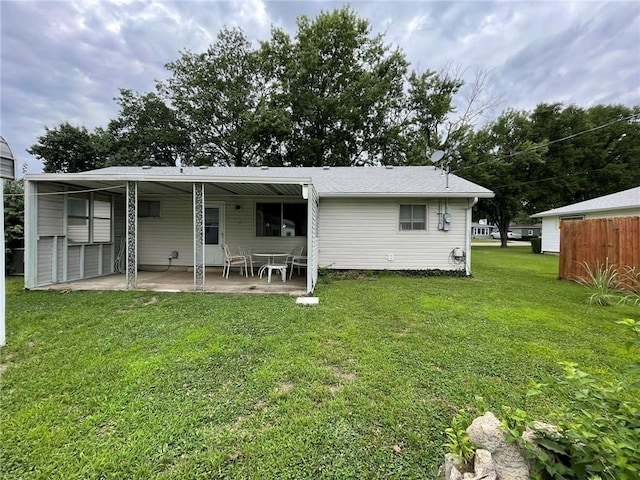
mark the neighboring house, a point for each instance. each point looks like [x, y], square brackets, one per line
[480, 230]
[81, 225]
[621, 204]
[526, 231]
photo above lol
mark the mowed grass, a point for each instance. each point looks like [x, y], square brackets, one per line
[183, 386]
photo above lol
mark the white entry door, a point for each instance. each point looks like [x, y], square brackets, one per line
[213, 233]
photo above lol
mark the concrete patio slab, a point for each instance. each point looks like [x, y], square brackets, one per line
[183, 281]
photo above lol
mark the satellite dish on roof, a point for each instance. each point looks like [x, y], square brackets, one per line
[437, 156]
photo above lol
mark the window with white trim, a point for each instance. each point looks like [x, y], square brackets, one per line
[78, 219]
[413, 217]
[88, 219]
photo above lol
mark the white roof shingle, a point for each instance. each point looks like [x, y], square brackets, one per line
[621, 200]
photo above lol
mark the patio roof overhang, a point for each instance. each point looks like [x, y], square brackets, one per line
[183, 184]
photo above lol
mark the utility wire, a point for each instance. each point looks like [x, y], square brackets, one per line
[548, 178]
[88, 190]
[563, 139]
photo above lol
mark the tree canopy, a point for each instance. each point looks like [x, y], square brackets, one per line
[333, 94]
[336, 94]
[551, 157]
[68, 149]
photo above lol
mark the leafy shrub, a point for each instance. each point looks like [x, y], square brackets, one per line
[598, 432]
[369, 274]
[458, 442]
[536, 245]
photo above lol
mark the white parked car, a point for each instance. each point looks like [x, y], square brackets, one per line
[510, 235]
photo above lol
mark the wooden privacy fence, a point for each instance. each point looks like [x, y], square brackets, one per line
[599, 241]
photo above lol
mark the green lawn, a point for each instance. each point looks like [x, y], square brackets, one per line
[161, 385]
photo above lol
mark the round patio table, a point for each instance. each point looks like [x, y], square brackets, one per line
[270, 261]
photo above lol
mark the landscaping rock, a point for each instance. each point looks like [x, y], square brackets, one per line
[509, 461]
[484, 468]
[483, 465]
[451, 471]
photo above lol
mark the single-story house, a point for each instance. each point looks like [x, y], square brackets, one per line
[480, 230]
[526, 231]
[620, 204]
[80, 225]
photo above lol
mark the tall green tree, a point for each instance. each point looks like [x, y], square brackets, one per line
[216, 95]
[502, 157]
[591, 152]
[146, 132]
[428, 106]
[337, 88]
[68, 149]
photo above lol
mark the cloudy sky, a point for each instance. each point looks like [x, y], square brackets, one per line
[65, 60]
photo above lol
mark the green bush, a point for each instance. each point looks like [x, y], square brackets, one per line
[598, 432]
[536, 245]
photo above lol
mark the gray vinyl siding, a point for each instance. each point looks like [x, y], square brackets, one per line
[158, 237]
[361, 233]
[45, 261]
[92, 260]
[50, 212]
[107, 260]
[73, 262]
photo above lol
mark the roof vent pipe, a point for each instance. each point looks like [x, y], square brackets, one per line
[264, 167]
[326, 167]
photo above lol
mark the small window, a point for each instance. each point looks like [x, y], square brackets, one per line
[148, 208]
[413, 217]
[78, 219]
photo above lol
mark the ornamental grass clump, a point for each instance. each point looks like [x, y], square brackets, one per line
[604, 283]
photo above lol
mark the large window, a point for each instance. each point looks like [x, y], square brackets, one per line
[413, 217]
[88, 219]
[281, 219]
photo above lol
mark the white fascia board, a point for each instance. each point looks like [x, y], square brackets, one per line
[407, 195]
[71, 177]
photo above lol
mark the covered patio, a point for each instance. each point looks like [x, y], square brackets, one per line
[118, 228]
[180, 280]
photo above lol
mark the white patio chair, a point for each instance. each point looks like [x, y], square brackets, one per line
[245, 251]
[299, 261]
[296, 252]
[231, 260]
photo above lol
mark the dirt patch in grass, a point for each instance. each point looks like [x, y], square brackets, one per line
[138, 302]
[284, 388]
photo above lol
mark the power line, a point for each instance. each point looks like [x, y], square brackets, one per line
[548, 178]
[568, 137]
